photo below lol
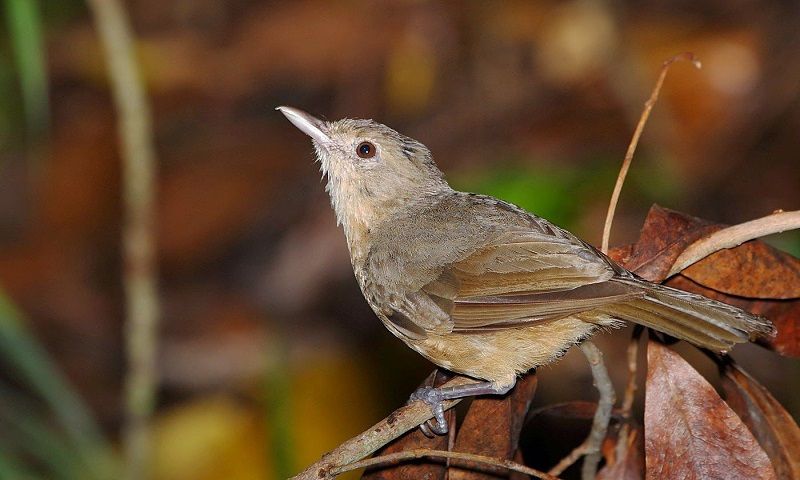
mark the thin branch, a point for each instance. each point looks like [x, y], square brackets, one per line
[397, 423]
[630, 390]
[626, 163]
[567, 461]
[138, 237]
[591, 446]
[604, 406]
[496, 463]
[734, 236]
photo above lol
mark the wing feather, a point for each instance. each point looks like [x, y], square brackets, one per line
[525, 277]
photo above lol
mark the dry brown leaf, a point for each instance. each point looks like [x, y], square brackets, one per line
[753, 270]
[752, 276]
[631, 466]
[665, 234]
[429, 469]
[492, 427]
[690, 433]
[773, 427]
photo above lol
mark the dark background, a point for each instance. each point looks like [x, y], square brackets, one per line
[268, 354]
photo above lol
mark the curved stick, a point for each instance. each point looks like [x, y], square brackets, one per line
[626, 163]
[501, 464]
[734, 236]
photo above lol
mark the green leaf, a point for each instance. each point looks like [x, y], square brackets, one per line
[25, 28]
[277, 403]
[31, 364]
[10, 469]
[25, 429]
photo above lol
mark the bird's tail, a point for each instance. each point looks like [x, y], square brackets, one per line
[691, 317]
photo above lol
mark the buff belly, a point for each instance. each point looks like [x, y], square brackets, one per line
[500, 355]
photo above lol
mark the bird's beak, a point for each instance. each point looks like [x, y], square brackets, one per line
[308, 124]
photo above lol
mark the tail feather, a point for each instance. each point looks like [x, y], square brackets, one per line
[665, 320]
[691, 317]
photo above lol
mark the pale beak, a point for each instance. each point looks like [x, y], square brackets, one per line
[308, 124]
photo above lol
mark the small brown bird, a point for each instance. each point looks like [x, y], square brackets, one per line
[477, 285]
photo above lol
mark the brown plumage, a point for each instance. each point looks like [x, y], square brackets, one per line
[477, 285]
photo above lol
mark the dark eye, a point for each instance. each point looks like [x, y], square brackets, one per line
[365, 150]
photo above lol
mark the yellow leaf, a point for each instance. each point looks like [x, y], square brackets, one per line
[209, 439]
[332, 401]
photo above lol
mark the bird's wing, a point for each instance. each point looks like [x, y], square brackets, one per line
[525, 277]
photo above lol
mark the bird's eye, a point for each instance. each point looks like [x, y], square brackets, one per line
[365, 150]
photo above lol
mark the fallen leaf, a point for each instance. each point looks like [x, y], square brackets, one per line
[753, 270]
[689, 430]
[752, 276]
[425, 468]
[631, 466]
[665, 234]
[492, 427]
[773, 427]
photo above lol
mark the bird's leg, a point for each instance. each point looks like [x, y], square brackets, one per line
[435, 396]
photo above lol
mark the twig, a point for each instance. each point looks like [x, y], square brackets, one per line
[602, 416]
[734, 236]
[500, 464]
[626, 163]
[399, 422]
[630, 391]
[138, 239]
[567, 461]
[591, 446]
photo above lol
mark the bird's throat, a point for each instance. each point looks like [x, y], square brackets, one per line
[355, 212]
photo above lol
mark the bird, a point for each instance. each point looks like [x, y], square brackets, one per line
[480, 286]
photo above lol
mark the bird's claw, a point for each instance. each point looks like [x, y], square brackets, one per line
[433, 398]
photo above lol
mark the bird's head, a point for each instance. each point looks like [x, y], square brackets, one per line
[373, 171]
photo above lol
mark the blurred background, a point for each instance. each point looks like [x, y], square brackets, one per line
[268, 354]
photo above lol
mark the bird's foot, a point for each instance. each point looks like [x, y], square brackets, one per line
[433, 397]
